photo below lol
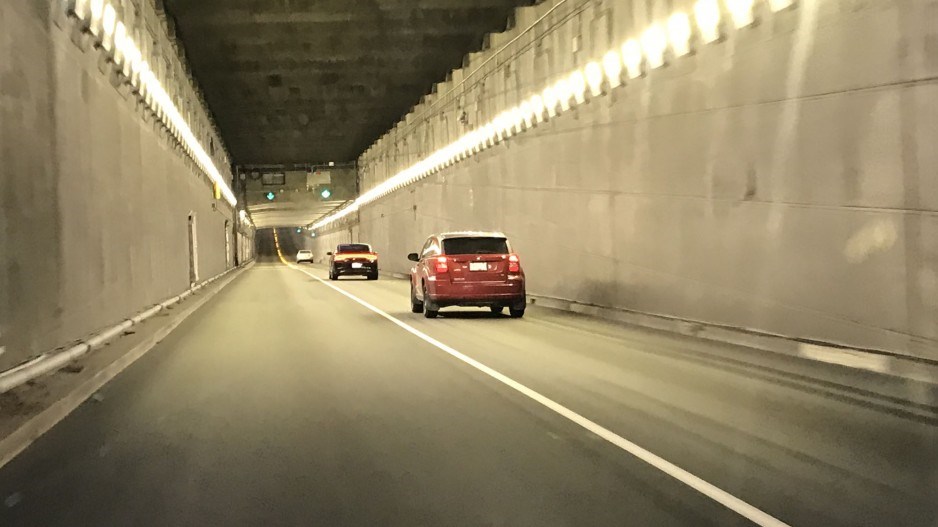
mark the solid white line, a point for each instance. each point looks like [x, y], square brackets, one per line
[845, 357]
[719, 495]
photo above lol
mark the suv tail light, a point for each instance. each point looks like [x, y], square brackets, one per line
[514, 264]
[440, 265]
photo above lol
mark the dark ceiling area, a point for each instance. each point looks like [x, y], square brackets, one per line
[311, 81]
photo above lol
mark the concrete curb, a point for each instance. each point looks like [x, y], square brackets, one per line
[13, 444]
[50, 362]
[907, 368]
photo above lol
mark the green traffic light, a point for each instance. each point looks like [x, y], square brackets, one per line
[325, 193]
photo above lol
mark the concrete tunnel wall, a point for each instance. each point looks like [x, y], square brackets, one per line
[95, 196]
[784, 181]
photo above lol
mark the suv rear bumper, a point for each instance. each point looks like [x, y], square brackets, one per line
[509, 293]
[347, 269]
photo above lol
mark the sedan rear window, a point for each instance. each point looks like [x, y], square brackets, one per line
[353, 248]
[475, 246]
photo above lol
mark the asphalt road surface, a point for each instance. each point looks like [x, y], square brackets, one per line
[284, 402]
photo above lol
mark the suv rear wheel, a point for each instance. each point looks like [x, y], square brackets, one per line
[516, 313]
[416, 306]
[429, 310]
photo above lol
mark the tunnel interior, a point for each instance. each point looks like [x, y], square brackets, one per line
[713, 299]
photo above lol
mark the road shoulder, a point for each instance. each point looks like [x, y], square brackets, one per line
[32, 409]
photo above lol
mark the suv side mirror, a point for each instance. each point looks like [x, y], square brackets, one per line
[329, 253]
[413, 257]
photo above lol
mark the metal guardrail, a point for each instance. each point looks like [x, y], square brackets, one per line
[52, 361]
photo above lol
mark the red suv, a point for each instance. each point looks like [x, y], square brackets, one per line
[467, 269]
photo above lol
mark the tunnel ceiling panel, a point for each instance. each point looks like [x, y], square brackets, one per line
[309, 81]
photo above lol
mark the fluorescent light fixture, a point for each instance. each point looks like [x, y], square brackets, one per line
[507, 126]
[143, 83]
[153, 90]
[473, 142]
[679, 33]
[741, 12]
[654, 44]
[136, 67]
[136, 77]
[594, 78]
[577, 83]
[143, 91]
[632, 57]
[491, 133]
[780, 5]
[151, 93]
[120, 38]
[707, 15]
[564, 91]
[550, 99]
[537, 107]
[527, 113]
[517, 118]
[497, 124]
[612, 65]
[108, 22]
[97, 14]
[496, 131]
[450, 155]
[131, 56]
[80, 9]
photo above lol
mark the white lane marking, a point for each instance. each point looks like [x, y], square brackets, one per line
[707, 489]
[845, 357]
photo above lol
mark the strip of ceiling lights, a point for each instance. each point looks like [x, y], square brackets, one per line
[651, 50]
[99, 18]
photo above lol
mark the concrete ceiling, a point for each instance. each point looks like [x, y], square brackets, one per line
[267, 215]
[299, 81]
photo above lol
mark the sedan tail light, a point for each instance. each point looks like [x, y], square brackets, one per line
[365, 256]
[440, 265]
[514, 264]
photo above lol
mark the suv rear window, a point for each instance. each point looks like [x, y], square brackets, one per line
[475, 246]
[353, 248]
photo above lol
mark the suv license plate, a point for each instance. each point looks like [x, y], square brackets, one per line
[478, 266]
[356, 266]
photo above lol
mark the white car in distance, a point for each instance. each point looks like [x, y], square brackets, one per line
[304, 256]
